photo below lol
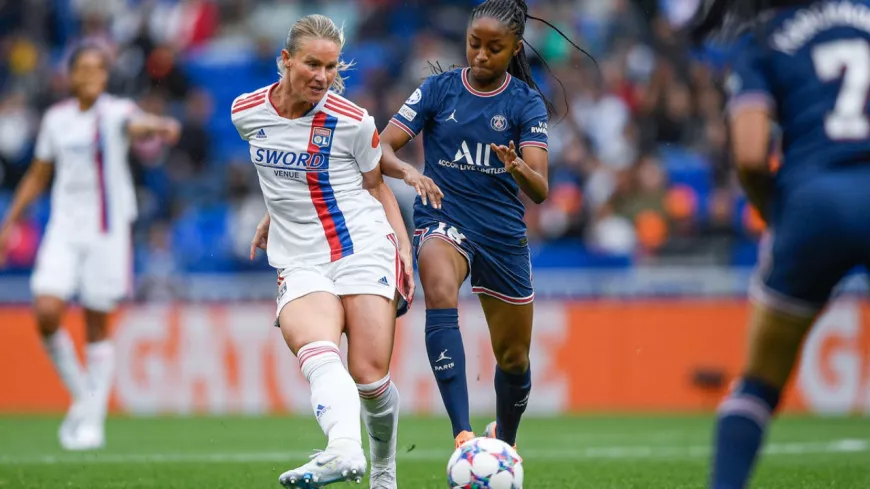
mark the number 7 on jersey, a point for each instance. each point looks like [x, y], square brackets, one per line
[849, 59]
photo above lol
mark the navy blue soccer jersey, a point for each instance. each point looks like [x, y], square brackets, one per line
[458, 124]
[811, 67]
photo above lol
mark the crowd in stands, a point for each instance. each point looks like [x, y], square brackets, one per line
[638, 167]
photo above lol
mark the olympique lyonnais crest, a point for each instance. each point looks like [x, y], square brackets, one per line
[321, 137]
[498, 123]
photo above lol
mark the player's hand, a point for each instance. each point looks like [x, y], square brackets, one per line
[171, 131]
[408, 269]
[425, 187]
[508, 156]
[261, 236]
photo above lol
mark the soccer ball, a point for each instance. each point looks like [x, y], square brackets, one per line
[485, 463]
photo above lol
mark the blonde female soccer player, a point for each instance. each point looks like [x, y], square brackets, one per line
[334, 232]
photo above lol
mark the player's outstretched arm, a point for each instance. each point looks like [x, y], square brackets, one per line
[530, 171]
[31, 186]
[143, 125]
[392, 140]
[750, 145]
[373, 181]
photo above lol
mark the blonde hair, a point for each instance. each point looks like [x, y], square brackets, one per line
[316, 26]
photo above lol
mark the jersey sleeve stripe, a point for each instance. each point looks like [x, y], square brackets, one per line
[754, 99]
[536, 144]
[343, 111]
[322, 194]
[247, 106]
[403, 127]
[345, 103]
[252, 98]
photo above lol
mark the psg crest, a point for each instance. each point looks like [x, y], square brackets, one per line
[498, 123]
[321, 137]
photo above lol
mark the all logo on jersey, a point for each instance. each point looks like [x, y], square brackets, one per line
[321, 137]
[498, 122]
[261, 134]
[415, 97]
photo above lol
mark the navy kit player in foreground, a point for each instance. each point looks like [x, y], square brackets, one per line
[805, 65]
[485, 140]
[335, 233]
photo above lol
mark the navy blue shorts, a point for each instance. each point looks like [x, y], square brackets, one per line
[494, 272]
[821, 231]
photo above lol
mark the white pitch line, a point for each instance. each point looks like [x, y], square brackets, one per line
[429, 455]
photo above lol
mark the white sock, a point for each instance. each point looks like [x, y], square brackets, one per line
[101, 367]
[63, 354]
[333, 394]
[380, 407]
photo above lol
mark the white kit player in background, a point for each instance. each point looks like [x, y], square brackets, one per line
[86, 250]
[335, 234]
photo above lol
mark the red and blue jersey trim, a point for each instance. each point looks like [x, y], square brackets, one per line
[100, 161]
[323, 195]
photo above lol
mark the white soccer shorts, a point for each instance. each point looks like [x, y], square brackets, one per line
[374, 270]
[96, 268]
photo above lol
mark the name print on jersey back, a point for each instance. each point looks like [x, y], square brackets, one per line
[811, 65]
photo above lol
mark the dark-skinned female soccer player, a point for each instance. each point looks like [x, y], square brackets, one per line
[485, 140]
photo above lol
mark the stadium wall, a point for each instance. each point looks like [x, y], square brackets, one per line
[642, 355]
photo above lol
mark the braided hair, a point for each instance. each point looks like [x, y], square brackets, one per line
[513, 14]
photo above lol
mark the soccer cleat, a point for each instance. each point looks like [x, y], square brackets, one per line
[463, 437]
[87, 436]
[74, 417]
[326, 467]
[490, 432]
[383, 477]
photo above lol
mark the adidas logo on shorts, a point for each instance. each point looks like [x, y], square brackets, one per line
[384, 281]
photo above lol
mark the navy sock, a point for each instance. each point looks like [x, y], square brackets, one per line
[740, 430]
[512, 397]
[447, 359]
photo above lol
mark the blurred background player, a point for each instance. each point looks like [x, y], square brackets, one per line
[812, 77]
[83, 141]
[334, 231]
[485, 139]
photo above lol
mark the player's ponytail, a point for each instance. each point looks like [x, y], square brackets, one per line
[724, 20]
[513, 14]
[316, 27]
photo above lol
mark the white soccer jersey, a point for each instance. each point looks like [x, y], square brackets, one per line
[310, 170]
[93, 189]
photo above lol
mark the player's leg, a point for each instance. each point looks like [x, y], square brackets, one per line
[105, 282]
[504, 285]
[443, 265]
[52, 285]
[311, 319]
[808, 255]
[367, 282]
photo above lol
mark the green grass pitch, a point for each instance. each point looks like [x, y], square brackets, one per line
[587, 452]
